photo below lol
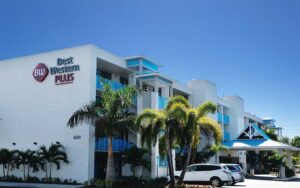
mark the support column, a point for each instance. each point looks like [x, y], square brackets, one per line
[155, 149]
[289, 159]
[243, 160]
[171, 91]
[131, 80]
[282, 168]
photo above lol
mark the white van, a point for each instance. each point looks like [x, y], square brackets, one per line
[216, 175]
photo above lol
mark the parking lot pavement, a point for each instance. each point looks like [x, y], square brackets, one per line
[253, 183]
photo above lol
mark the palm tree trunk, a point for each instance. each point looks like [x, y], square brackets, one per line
[170, 165]
[24, 173]
[46, 169]
[28, 169]
[110, 169]
[185, 164]
[8, 167]
[50, 171]
[3, 168]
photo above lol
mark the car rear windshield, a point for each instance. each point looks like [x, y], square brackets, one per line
[234, 167]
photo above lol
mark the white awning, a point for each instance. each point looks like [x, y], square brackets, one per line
[258, 144]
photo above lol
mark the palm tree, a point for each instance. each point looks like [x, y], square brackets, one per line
[196, 121]
[44, 157]
[3, 160]
[7, 158]
[178, 124]
[53, 155]
[29, 160]
[110, 116]
[136, 158]
[34, 162]
[165, 126]
[22, 160]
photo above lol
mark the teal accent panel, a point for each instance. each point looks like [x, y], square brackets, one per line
[133, 62]
[100, 83]
[149, 65]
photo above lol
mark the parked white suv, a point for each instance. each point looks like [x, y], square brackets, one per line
[216, 175]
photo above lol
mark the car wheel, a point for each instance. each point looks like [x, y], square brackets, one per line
[233, 182]
[216, 182]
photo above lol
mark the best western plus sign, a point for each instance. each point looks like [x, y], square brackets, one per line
[63, 72]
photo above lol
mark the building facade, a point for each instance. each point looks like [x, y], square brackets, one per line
[38, 94]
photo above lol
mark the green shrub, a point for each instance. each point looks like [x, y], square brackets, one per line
[92, 182]
[33, 179]
[296, 160]
[86, 183]
[289, 172]
[56, 180]
[108, 183]
[99, 183]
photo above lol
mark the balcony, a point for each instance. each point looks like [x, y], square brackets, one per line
[119, 145]
[220, 119]
[226, 135]
[226, 119]
[114, 85]
[162, 102]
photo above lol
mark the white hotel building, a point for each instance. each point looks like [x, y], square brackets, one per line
[35, 107]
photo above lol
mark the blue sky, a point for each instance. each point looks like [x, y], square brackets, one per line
[248, 48]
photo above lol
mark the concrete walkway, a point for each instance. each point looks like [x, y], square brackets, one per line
[36, 185]
[272, 177]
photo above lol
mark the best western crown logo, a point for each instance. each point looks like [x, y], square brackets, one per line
[40, 72]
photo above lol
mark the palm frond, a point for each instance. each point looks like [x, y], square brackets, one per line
[212, 126]
[177, 99]
[88, 114]
[205, 108]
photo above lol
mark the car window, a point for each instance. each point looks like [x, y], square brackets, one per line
[191, 169]
[201, 168]
[214, 167]
[232, 168]
[207, 167]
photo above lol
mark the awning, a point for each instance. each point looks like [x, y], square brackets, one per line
[257, 144]
[253, 138]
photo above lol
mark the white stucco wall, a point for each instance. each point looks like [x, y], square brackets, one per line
[34, 111]
[236, 113]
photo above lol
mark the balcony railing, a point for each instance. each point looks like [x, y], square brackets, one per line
[114, 85]
[220, 117]
[226, 119]
[226, 135]
[162, 102]
[119, 145]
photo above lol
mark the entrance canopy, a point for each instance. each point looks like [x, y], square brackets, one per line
[258, 144]
[253, 138]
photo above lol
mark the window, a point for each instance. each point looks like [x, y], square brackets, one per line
[191, 169]
[207, 167]
[231, 168]
[123, 81]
